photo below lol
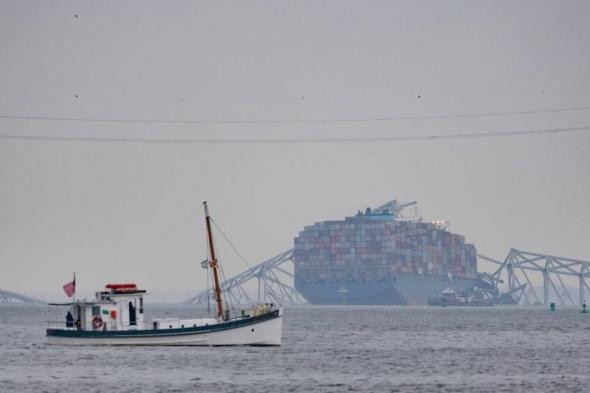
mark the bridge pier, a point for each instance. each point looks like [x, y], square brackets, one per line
[545, 286]
[581, 284]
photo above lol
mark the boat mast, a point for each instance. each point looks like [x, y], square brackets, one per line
[213, 264]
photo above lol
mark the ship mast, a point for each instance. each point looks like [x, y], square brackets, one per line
[214, 265]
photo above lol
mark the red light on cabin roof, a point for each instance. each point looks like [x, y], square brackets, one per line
[121, 286]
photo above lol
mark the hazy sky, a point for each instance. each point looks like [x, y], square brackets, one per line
[132, 211]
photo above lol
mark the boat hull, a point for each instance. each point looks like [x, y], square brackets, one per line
[405, 290]
[263, 331]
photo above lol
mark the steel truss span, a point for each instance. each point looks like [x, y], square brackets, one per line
[557, 277]
[518, 272]
[273, 283]
[11, 297]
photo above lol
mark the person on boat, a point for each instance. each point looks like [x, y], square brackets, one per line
[69, 320]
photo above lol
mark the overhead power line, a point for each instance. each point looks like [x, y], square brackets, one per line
[392, 138]
[292, 121]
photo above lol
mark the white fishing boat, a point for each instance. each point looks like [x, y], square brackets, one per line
[116, 317]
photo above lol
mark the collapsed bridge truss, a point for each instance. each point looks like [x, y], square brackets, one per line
[11, 297]
[518, 272]
[272, 278]
[555, 277]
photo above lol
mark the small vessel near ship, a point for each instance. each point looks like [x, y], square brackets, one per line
[450, 297]
[116, 317]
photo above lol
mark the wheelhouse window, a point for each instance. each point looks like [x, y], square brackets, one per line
[95, 310]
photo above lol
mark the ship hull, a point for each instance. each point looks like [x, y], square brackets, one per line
[410, 290]
[261, 331]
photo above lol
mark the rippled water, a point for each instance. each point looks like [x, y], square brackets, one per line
[325, 349]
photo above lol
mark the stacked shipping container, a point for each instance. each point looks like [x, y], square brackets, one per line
[370, 247]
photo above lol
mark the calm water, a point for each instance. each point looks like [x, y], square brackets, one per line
[325, 349]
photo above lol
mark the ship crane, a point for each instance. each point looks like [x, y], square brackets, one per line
[395, 208]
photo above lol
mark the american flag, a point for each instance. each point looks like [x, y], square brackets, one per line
[70, 288]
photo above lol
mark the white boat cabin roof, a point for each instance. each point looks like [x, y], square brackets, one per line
[115, 293]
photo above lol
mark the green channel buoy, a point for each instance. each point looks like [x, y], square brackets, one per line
[552, 306]
[584, 310]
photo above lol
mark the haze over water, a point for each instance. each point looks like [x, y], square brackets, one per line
[131, 211]
[87, 89]
[325, 349]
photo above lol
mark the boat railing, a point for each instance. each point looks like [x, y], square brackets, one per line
[62, 323]
[57, 319]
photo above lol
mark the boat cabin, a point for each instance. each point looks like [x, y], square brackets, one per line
[118, 307]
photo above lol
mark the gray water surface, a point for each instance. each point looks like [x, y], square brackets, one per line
[325, 349]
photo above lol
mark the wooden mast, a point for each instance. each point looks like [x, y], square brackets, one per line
[214, 265]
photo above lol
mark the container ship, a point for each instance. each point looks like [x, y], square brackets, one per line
[380, 256]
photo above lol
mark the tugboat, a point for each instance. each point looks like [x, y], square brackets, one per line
[451, 298]
[116, 317]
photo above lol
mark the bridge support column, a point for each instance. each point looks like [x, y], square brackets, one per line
[581, 283]
[545, 287]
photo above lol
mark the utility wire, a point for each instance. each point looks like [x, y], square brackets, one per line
[292, 121]
[252, 141]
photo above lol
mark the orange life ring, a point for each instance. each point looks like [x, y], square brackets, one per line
[97, 322]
